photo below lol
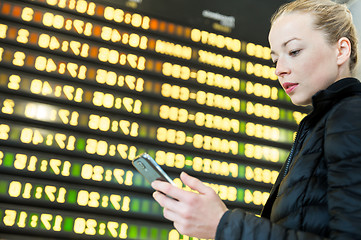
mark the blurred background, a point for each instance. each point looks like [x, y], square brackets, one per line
[86, 86]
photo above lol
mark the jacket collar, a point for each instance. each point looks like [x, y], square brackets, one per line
[323, 100]
[343, 88]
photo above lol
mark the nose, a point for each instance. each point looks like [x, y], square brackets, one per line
[281, 68]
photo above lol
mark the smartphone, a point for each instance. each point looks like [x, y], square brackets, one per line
[150, 169]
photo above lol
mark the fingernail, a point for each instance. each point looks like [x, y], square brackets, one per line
[154, 194]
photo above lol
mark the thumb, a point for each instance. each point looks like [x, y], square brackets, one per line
[194, 183]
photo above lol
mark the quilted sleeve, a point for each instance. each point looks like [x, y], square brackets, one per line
[239, 225]
[343, 155]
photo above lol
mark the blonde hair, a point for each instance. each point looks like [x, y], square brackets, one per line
[332, 18]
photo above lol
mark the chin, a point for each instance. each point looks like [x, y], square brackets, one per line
[301, 102]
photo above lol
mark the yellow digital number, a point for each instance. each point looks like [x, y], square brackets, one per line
[173, 113]
[112, 14]
[14, 82]
[65, 142]
[260, 70]
[255, 197]
[23, 36]
[136, 41]
[170, 159]
[171, 136]
[261, 152]
[29, 136]
[51, 20]
[109, 34]
[112, 227]
[79, 225]
[92, 172]
[90, 199]
[260, 90]
[22, 219]
[48, 219]
[99, 122]
[115, 201]
[14, 189]
[19, 59]
[133, 83]
[99, 147]
[50, 192]
[68, 118]
[1, 53]
[258, 51]
[219, 60]
[82, 226]
[9, 218]
[47, 41]
[44, 64]
[39, 87]
[57, 223]
[122, 177]
[20, 161]
[1, 157]
[106, 77]
[261, 175]
[4, 131]
[55, 165]
[265, 111]
[261, 131]
[176, 71]
[3, 30]
[27, 14]
[8, 106]
[103, 99]
[175, 92]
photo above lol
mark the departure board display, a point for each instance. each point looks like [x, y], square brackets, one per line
[86, 86]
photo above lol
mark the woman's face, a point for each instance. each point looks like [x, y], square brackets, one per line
[305, 62]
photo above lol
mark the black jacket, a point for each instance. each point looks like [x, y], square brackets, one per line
[318, 192]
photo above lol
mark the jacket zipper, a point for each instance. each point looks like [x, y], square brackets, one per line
[292, 152]
[290, 157]
[288, 162]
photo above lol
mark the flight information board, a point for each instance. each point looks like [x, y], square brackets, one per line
[85, 86]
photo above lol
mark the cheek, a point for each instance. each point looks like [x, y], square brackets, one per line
[320, 63]
[305, 66]
[319, 72]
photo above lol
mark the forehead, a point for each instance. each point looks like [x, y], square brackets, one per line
[289, 26]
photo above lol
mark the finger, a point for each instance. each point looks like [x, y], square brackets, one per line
[195, 183]
[165, 201]
[170, 215]
[161, 199]
[157, 184]
[168, 189]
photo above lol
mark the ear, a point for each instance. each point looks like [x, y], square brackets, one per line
[343, 50]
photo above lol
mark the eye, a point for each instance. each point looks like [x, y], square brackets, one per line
[274, 64]
[294, 52]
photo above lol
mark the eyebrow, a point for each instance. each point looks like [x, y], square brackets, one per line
[285, 44]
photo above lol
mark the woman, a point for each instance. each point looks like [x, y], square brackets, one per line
[318, 192]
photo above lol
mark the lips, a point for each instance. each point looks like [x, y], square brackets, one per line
[289, 87]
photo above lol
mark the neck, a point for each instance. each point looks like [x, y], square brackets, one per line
[343, 72]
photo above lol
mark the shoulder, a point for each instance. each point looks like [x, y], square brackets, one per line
[343, 131]
[344, 116]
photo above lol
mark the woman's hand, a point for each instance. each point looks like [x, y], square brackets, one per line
[193, 214]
